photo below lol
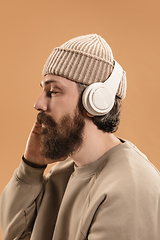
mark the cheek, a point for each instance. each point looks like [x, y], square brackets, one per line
[61, 107]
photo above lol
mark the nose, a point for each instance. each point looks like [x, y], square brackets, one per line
[41, 103]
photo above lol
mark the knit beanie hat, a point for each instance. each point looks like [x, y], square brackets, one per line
[85, 59]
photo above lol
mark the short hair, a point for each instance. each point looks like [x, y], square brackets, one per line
[110, 121]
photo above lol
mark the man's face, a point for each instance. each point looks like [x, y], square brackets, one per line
[62, 122]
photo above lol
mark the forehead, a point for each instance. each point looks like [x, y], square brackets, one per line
[56, 80]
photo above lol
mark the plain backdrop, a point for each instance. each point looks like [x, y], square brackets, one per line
[30, 29]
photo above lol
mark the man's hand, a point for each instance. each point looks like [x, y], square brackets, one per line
[32, 153]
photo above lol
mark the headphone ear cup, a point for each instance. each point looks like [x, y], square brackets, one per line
[97, 100]
[86, 100]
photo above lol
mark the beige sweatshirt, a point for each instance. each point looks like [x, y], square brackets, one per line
[116, 197]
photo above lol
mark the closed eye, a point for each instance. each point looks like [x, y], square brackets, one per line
[51, 93]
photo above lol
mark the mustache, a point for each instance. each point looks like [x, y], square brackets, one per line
[42, 118]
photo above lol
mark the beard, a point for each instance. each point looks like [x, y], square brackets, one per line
[63, 139]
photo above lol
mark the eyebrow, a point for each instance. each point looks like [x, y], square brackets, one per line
[48, 82]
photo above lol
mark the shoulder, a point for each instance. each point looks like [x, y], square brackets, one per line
[127, 158]
[126, 170]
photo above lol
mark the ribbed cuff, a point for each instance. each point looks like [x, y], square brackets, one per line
[30, 175]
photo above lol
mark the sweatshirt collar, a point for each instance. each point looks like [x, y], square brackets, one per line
[91, 169]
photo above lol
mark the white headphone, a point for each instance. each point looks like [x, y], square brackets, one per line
[98, 98]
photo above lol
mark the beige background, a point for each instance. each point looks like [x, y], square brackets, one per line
[30, 29]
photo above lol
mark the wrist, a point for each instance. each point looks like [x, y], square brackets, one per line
[32, 164]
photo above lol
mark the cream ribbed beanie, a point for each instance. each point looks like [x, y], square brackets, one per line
[85, 59]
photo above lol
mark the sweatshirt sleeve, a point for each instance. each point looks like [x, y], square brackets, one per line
[20, 201]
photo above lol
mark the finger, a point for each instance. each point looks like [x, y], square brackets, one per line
[36, 128]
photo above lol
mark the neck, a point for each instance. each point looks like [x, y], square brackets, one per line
[95, 144]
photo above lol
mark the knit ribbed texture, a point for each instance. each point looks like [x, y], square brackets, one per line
[86, 59]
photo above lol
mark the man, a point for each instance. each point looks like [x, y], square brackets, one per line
[102, 187]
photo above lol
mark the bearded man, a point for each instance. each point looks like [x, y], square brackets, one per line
[102, 187]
